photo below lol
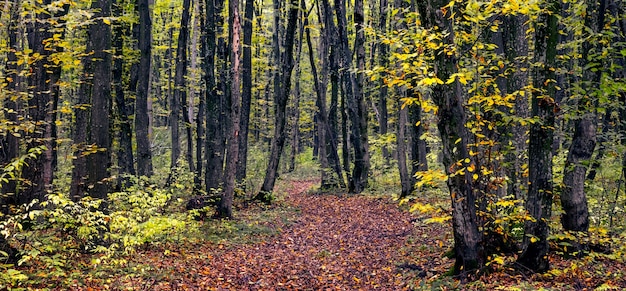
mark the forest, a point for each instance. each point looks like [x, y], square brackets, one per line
[312, 145]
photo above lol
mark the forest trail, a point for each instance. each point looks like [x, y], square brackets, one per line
[337, 242]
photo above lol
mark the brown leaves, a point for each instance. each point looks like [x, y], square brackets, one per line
[338, 243]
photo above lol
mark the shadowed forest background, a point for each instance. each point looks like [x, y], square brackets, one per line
[151, 144]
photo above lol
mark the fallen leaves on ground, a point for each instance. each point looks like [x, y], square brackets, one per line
[337, 242]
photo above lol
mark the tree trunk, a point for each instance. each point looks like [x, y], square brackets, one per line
[225, 207]
[540, 193]
[354, 95]
[246, 90]
[468, 249]
[180, 95]
[295, 115]
[383, 61]
[328, 142]
[39, 169]
[281, 97]
[200, 126]
[573, 198]
[215, 142]
[10, 144]
[142, 119]
[99, 163]
[125, 157]
[405, 180]
[515, 46]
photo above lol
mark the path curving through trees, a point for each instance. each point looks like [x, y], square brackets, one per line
[338, 242]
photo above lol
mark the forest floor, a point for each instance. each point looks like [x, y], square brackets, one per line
[348, 242]
[329, 241]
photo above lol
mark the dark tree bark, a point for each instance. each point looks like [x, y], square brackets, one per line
[295, 111]
[332, 68]
[187, 109]
[142, 119]
[180, 96]
[383, 61]
[225, 206]
[281, 97]
[515, 46]
[200, 126]
[246, 93]
[540, 193]
[215, 139]
[92, 160]
[468, 249]
[10, 143]
[125, 157]
[39, 169]
[405, 180]
[328, 142]
[573, 198]
[99, 163]
[354, 95]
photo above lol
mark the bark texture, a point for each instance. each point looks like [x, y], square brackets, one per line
[540, 193]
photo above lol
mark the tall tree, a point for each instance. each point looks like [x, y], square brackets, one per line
[246, 92]
[224, 209]
[281, 97]
[468, 249]
[125, 157]
[10, 143]
[180, 94]
[215, 92]
[543, 107]
[573, 198]
[93, 158]
[142, 119]
[39, 169]
[354, 95]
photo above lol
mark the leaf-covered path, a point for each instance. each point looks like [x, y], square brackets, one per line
[336, 243]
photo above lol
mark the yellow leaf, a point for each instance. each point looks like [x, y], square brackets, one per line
[533, 239]
[106, 21]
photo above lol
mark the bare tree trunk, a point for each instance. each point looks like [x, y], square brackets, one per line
[405, 180]
[125, 157]
[573, 198]
[215, 142]
[225, 207]
[354, 94]
[180, 96]
[142, 119]
[10, 144]
[246, 93]
[281, 103]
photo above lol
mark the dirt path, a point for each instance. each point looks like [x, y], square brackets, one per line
[337, 243]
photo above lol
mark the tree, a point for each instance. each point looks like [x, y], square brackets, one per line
[468, 248]
[180, 95]
[215, 92]
[224, 208]
[10, 143]
[39, 169]
[93, 157]
[354, 97]
[573, 198]
[246, 93]
[142, 119]
[125, 157]
[540, 192]
[281, 96]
